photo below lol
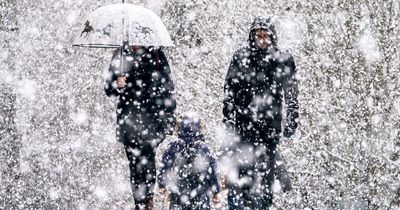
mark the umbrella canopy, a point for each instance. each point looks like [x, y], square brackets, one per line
[113, 25]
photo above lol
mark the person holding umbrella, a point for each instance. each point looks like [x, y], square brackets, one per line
[145, 113]
[140, 77]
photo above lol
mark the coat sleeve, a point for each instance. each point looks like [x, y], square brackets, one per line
[230, 90]
[212, 169]
[162, 93]
[167, 162]
[110, 86]
[215, 186]
[291, 92]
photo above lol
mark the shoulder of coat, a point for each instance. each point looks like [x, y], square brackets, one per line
[282, 56]
[242, 53]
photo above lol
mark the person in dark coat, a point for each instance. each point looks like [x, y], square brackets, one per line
[145, 112]
[188, 170]
[259, 79]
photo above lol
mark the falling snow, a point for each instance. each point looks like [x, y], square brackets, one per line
[57, 128]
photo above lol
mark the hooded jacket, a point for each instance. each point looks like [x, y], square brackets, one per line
[189, 136]
[256, 83]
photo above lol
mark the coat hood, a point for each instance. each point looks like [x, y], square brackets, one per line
[266, 24]
[189, 128]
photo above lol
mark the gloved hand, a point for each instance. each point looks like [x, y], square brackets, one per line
[288, 132]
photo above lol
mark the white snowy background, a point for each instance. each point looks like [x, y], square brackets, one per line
[57, 127]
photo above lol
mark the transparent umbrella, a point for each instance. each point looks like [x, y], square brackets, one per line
[112, 25]
[120, 26]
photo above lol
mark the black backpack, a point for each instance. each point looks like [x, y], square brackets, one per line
[191, 179]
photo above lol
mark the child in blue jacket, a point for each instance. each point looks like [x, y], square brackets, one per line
[188, 170]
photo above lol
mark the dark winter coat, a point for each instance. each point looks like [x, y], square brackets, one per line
[146, 105]
[189, 137]
[255, 85]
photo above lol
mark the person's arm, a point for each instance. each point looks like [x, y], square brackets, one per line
[162, 93]
[214, 183]
[291, 92]
[167, 162]
[230, 90]
[111, 79]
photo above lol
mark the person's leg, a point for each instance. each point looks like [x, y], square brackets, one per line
[269, 178]
[149, 203]
[239, 189]
[142, 173]
[174, 202]
[265, 173]
[282, 174]
[201, 203]
[135, 174]
[129, 150]
[235, 198]
[149, 173]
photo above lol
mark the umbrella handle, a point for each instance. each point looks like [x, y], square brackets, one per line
[121, 61]
[125, 46]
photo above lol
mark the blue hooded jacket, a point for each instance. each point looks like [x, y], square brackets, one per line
[189, 135]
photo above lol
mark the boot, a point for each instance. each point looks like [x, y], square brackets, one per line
[149, 203]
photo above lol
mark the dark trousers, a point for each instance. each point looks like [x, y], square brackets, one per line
[256, 193]
[281, 173]
[141, 157]
[179, 203]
